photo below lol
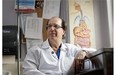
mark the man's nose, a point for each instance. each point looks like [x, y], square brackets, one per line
[52, 27]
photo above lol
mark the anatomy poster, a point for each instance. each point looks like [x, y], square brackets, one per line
[81, 23]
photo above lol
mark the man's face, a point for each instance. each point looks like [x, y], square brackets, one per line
[54, 28]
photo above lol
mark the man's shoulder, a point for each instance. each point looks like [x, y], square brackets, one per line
[70, 45]
[34, 48]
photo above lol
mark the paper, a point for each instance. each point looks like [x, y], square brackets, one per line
[24, 5]
[33, 28]
[32, 42]
[23, 18]
[8, 59]
[90, 49]
[51, 8]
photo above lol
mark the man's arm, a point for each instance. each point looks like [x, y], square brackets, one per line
[31, 64]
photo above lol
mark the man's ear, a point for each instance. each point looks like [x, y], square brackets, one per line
[64, 31]
[63, 34]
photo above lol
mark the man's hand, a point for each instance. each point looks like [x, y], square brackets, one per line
[79, 61]
[81, 55]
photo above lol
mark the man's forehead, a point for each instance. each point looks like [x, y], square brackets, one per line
[55, 20]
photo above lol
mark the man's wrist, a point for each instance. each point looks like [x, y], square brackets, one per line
[86, 53]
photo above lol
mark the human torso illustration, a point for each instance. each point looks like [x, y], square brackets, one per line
[81, 31]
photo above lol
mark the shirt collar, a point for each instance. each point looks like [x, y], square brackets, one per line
[46, 45]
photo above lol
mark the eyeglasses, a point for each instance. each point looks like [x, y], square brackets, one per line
[55, 26]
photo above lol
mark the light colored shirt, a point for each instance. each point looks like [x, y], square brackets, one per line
[44, 61]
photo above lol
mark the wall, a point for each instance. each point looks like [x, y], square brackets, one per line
[9, 14]
[110, 19]
[101, 24]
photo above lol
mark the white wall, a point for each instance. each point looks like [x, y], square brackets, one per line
[110, 19]
[101, 24]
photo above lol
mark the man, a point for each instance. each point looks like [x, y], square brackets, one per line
[53, 57]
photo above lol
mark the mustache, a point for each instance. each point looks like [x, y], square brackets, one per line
[52, 31]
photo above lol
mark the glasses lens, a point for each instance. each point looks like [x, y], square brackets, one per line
[55, 26]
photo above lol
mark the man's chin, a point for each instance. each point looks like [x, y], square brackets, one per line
[53, 37]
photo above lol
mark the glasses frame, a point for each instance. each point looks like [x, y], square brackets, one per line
[55, 26]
